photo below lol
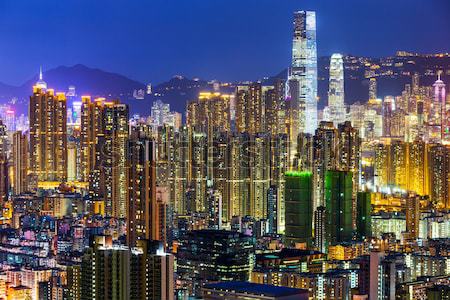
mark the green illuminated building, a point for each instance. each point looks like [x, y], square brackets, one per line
[363, 217]
[338, 201]
[298, 211]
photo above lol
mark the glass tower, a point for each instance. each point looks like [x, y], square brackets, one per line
[302, 92]
[336, 106]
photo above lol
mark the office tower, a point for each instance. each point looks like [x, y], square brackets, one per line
[117, 272]
[159, 112]
[438, 169]
[373, 89]
[213, 255]
[437, 117]
[211, 111]
[338, 204]
[48, 134]
[388, 109]
[279, 164]
[363, 217]
[103, 140]
[274, 102]
[298, 207]
[320, 220]
[325, 158]
[417, 167]
[20, 162]
[303, 75]
[239, 174]
[142, 223]
[412, 216]
[259, 174]
[336, 111]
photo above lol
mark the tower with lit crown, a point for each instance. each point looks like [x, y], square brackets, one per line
[336, 106]
[48, 134]
[302, 81]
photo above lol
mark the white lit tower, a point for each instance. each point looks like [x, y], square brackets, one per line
[302, 77]
[336, 106]
[438, 126]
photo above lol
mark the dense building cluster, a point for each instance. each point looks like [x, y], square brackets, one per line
[256, 194]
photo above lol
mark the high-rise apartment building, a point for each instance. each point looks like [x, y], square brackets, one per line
[104, 137]
[338, 204]
[298, 207]
[142, 223]
[20, 163]
[48, 134]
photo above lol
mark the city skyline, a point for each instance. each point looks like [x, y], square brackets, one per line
[141, 44]
[208, 190]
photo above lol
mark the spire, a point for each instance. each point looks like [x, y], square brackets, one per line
[439, 75]
[41, 83]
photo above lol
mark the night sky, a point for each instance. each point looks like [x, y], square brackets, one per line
[152, 40]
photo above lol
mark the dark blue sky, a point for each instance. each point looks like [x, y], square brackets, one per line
[151, 40]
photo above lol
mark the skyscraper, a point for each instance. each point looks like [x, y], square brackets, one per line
[142, 221]
[104, 136]
[302, 81]
[20, 162]
[338, 204]
[299, 211]
[437, 121]
[48, 134]
[438, 170]
[117, 272]
[336, 107]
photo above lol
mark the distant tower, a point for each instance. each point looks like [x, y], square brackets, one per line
[373, 89]
[41, 84]
[336, 105]
[437, 121]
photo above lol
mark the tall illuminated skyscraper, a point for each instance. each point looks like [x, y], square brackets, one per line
[104, 136]
[299, 211]
[336, 106]
[437, 121]
[142, 223]
[372, 89]
[302, 81]
[48, 134]
[438, 170]
[20, 162]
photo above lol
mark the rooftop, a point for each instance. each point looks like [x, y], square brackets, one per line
[255, 288]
